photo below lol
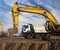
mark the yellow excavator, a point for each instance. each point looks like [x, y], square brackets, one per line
[51, 24]
[2, 29]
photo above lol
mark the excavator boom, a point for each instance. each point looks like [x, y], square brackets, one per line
[39, 11]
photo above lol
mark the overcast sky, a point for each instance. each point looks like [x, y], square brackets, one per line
[6, 16]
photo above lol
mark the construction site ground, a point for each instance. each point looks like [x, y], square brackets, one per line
[20, 43]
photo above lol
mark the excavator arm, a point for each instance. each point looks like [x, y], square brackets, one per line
[15, 15]
[32, 9]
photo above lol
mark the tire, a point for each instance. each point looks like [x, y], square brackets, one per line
[45, 37]
[29, 36]
[37, 36]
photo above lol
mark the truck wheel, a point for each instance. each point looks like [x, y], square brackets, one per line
[38, 36]
[29, 36]
[45, 36]
[48, 36]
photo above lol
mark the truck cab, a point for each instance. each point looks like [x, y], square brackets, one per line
[27, 30]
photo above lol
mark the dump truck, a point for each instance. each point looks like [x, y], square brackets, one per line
[35, 31]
